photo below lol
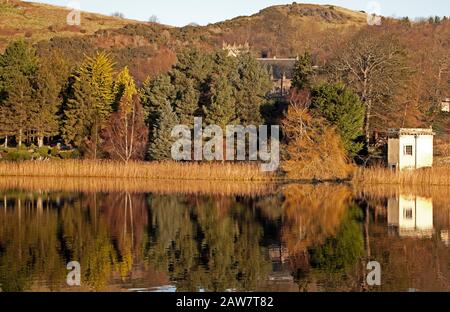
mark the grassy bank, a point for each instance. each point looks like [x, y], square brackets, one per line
[136, 170]
[383, 176]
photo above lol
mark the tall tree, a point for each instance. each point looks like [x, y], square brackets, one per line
[125, 137]
[221, 109]
[156, 93]
[90, 105]
[374, 63]
[187, 97]
[126, 134]
[47, 102]
[18, 68]
[161, 145]
[342, 108]
[303, 72]
[253, 84]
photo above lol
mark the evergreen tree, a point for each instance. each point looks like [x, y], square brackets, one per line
[303, 72]
[221, 109]
[342, 108]
[161, 145]
[156, 94]
[46, 104]
[90, 105]
[252, 87]
[18, 67]
[187, 98]
[17, 105]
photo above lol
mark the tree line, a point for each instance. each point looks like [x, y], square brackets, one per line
[102, 113]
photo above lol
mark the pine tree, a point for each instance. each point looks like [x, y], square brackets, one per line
[161, 145]
[187, 98]
[18, 67]
[17, 105]
[46, 104]
[252, 87]
[90, 106]
[342, 108]
[156, 94]
[303, 72]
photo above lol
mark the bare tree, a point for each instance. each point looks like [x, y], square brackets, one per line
[126, 135]
[374, 64]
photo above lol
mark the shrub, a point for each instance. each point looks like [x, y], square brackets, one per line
[43, 151]
[72, 154]
[18, 155]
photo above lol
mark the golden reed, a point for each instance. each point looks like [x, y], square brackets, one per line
[137, 170]
[379, 176]
[162, 187]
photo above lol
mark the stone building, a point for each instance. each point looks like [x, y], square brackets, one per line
[445, 105]
[281, 71]
[410, 148]
[234, 50]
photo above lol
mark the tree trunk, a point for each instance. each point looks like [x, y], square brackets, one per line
[20, 138]
[367, 122]
[6, 141]
[40, 141]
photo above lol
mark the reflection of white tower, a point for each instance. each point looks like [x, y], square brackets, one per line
[412, 215]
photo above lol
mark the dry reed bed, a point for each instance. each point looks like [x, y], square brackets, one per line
[438, 176]
[136, 170]
[89, 185]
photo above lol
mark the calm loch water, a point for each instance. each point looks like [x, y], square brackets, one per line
[292, 238]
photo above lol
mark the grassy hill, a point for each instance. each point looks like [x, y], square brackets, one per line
[41, 21]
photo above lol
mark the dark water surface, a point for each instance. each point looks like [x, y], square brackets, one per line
[295, 238]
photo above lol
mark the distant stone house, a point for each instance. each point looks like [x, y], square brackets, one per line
[410, 148]
[445, 105]
[234, 50]
[280, 71]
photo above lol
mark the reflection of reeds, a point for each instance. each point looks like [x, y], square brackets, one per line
[88, 185]
[371, 191]
[144, 170]
[431, 176]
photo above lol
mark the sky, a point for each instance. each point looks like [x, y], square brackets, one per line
[184, 12]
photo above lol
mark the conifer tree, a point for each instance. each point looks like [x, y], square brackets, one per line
[18, 67]
[187, 98]
[90, 105]
[252, 87]
[161, 145]
[342, 108]
[156, 94]
[46, 104]
[221, 109]
[303, 72]
[17, 105]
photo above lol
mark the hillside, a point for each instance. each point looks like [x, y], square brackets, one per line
[285, 30]
[149, 48]
[41, 21]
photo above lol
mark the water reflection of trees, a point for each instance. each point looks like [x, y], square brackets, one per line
[313, 237]
[209, 243]
[40, 234]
